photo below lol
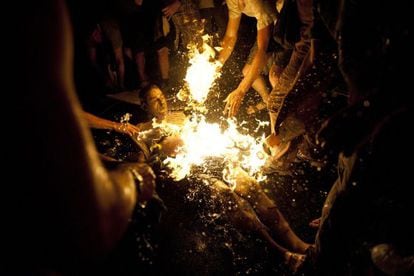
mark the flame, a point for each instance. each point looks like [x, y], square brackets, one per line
[203, 140]
[202, 72]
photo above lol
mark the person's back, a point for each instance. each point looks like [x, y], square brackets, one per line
[67, 209]
[369, 204]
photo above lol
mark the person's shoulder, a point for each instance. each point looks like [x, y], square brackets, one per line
[233, 5]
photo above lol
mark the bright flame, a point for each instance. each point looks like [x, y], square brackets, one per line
[204, 140]
[202, 72]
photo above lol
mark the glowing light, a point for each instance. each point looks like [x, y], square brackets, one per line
[202, 72]
[204, 140]
[240, 153]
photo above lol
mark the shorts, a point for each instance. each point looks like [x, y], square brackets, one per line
[112, 31]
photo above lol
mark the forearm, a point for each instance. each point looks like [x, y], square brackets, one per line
[228, 44]
[230, 38]
[256, 66]
[99, 123]
[259, 59]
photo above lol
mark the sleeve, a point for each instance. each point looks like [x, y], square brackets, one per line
[234, 11]
[263, 11]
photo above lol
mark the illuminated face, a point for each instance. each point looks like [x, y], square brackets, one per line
[156, 102]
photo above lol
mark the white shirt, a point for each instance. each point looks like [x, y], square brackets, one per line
[263, 10]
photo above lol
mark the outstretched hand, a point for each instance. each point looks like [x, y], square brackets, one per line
[146, 178]
[128, 129]
[171, 9]
[233, 102]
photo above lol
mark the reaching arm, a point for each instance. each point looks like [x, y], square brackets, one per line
[101, 123]
[229, 39]
[81, 209]
[235, 98]
[259, 59]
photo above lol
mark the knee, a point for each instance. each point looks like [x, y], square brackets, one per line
[246, 70]
[163, 51]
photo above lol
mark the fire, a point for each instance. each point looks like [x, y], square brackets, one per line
[201, 73]
[203, 140]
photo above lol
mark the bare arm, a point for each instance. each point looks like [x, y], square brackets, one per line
[101, 123]
[87, 206]
[171, 9]
[235, 98]
[230, 38]
[259, 59]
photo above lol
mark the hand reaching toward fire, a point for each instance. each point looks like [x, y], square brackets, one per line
[127, 128]
[171, 9]
[233, 102]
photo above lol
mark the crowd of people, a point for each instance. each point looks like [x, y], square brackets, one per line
[76, 206]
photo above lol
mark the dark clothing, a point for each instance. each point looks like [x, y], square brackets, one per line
[369, 203]
[215, 20]
[373, 45]
[142, 26]
[293, 33]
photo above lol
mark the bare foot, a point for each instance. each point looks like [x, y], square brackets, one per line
[275, 147]
[315, 223]
[294, 260]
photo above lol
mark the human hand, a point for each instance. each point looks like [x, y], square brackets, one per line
[145, 180]
[171, 9]
[233, 102]
[96, 35]
[128, 129]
